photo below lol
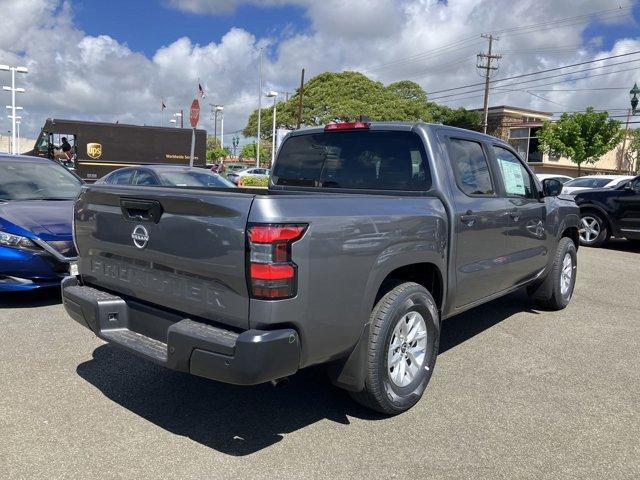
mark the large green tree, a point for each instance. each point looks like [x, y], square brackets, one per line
[583, 136]
[632, 153]
[346, 96]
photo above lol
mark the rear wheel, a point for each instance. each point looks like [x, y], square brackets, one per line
[593, 229]
[402, 349]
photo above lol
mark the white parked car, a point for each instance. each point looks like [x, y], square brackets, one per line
[561, 178]
[253, 172]
[594, 181]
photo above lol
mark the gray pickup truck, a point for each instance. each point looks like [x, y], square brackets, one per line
[369, 236]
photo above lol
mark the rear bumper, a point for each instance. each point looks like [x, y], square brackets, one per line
[182, 344]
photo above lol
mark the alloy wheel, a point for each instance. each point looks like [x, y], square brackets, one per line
[407, 349]
[566, 274]
[589, 229]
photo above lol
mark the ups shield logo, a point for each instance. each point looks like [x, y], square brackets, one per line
[94, 150]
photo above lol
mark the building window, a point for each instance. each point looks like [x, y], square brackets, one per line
[525, 141]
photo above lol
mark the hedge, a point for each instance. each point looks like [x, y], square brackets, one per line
[254, 181]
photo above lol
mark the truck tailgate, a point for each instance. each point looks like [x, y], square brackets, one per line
[178, 249]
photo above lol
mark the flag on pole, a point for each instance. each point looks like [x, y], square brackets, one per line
[163, 105]
[200, 90]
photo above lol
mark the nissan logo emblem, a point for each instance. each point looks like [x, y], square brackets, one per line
[140, 236]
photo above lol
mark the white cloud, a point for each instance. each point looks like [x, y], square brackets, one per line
[76, 75]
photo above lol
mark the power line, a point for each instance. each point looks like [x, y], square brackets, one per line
[578, 89]
[538, 72]
[541, 85]
[570, 21]
[447, 48]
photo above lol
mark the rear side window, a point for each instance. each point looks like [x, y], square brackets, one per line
[470, 167]
[145, 178]
[374, 160]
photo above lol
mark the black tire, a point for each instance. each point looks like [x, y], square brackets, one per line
[381, 393]
[558, 299]
[600, 225]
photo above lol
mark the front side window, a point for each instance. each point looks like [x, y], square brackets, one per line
[515, 178]
[470, 167]
[359, 159]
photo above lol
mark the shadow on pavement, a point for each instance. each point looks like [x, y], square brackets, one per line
[243, 420]
[464, 326]
[34, 298]
[231, 419]
[622, 245]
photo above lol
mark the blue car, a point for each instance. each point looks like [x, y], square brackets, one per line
[36, 211]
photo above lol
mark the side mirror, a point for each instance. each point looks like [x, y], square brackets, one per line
[551, 187]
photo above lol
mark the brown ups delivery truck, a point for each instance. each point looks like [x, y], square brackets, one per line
[99, 148]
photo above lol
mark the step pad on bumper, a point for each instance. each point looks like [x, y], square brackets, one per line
[247, 358]
[150, 348]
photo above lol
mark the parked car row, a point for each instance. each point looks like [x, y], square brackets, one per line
[609, 206]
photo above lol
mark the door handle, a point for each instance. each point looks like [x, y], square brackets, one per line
[468, 219]
[141, 210]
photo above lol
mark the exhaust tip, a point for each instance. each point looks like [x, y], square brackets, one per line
[280, 382]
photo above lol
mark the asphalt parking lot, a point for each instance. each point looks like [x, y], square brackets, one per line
[517, 393]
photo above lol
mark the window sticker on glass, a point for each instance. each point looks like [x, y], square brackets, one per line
[512, 175]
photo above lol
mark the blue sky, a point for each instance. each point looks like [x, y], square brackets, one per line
[147, 26]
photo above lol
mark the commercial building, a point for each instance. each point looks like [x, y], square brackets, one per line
[520, 126]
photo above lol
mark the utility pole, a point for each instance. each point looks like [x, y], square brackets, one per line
[488, 68]
[181, 118]
[301, 93]
[259, 108]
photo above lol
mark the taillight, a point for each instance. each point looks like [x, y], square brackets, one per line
[347, 126]
[272, 274]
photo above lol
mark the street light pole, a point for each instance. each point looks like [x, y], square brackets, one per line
[273, 131]
[13, 107]
[218, 109]
[18, 137]
[259, 108]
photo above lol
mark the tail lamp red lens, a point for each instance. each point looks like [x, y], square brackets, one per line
[272, 273]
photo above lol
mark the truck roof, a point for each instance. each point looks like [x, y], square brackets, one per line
[405, 126]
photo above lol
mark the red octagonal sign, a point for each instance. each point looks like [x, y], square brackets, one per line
[194, 115]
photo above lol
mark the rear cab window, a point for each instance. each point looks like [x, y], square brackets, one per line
[354, 159]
